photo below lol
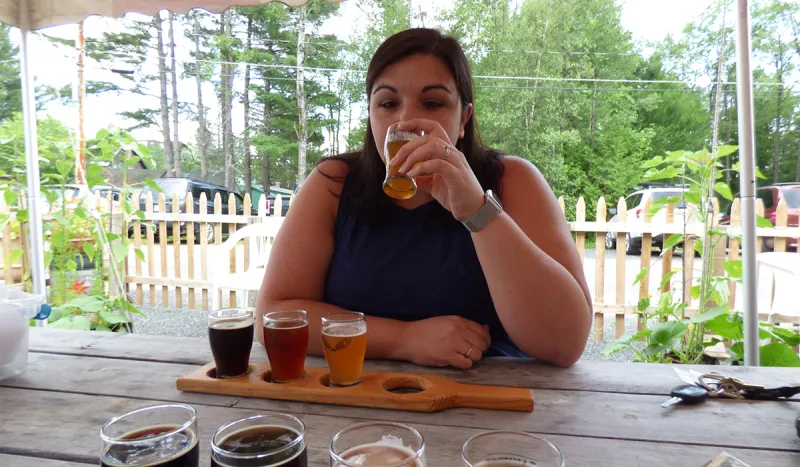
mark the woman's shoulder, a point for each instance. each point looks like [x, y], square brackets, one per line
[520, 173]
[330, 174]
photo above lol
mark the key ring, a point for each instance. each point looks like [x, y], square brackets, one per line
[721, 386]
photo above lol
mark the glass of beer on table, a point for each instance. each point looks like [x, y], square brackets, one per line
[510, 449]
[286, 340]
[344, 341]
[383, 444]
[260, 441]
[159, 435]
[397, 185]
[230, 333]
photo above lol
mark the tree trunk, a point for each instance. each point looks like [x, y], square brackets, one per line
[797, 167]
[201, 116]
[776, 155]
[302, 130]
[162, 78]
[593, 117]
[265, 175]
[176, 142]
[227, 103]
[248, 183]
[728, 124]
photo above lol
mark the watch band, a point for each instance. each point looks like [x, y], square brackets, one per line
[485, 214]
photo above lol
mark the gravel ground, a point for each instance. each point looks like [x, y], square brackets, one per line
[192, 323]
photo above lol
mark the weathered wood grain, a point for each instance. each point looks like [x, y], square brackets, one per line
[10, 460]
[727, 423]
[583, 376]
[73, 430]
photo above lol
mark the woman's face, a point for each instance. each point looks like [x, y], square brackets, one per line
[418, 86]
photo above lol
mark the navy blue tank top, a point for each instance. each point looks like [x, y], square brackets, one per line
[411, 265]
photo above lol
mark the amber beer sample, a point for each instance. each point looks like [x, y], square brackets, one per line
[384, 444]
[260, 441]
[162, 436]
[230, 333]
[397, 185]
[286, 340]
[344, 340]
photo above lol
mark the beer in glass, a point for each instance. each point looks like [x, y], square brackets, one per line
[160, 435]
[286, 340]
[397, 185]
[384, 444]
[344, 340]
[510, 449]
[230, 333]
[260, 441]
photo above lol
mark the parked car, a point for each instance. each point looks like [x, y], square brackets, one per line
[771, 195]
[635, 214]
[286, 197]
[181, 187]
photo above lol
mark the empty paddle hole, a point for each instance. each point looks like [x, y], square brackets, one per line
[212, 373]
[405, 385]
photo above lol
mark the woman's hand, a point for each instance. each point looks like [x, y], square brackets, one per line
[445, 340]
[440, 169]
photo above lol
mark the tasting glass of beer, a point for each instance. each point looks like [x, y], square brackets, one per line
[230, 333]
[286, 340]
[260, 441]
[159, 435]
[397, 185]
[510, 449]
[344, 340]
[383, 444]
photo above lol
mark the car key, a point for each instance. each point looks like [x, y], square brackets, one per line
[686, 394]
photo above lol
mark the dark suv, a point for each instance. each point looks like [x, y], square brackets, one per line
[182, 186]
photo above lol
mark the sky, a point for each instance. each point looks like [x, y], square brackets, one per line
[647, 20]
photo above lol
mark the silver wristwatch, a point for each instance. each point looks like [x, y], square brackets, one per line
[485, 214]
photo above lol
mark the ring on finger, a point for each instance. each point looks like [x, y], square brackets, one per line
[446, 152]
[469, 352]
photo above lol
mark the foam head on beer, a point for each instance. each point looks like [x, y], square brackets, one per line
[388, 452]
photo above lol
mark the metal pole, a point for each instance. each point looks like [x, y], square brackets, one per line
[747, 181]
[31, 155]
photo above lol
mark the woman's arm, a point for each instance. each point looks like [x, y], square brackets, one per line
[533, 270]
[299, 260]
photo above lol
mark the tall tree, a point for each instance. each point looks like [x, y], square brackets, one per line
[227, 71]
[162, 79]
[176, 142]
[302, 103]
[10, 87]
[202, 138]
[248, 179]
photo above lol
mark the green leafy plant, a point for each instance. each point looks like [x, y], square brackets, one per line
[94, 313]
[670, 334]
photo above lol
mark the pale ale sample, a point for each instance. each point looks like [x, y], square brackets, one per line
[510, 449]
[161, 435]
[286, 340]
[383, 444]
[344, 340]
[260, 441]
[397, 185]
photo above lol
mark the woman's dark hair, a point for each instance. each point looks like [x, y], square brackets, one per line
[366, 169]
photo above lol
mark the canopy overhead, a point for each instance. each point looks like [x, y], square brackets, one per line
[46, 13]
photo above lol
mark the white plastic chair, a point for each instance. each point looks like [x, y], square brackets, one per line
[260, 236]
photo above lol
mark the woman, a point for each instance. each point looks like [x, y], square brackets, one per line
[435, 292]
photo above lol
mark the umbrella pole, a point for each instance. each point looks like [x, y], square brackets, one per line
[36, 248]
[747, 182]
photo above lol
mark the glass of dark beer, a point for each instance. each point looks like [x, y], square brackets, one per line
[286, 340]
[159, 435]
[230, 333]
[510, 449]
[383, 444]
[260, 441]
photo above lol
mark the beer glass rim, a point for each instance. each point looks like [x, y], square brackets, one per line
[506, 433]
[117, 440]
[242, 313]
[218, 450]
[355, 316]
[275, 315]
[417, 454]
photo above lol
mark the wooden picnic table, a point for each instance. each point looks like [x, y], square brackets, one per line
[598, 414]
